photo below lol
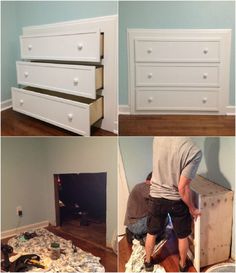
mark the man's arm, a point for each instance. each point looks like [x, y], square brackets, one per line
[186, 195]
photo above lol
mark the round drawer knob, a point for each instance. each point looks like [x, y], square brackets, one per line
[76, 81]
[21, 102]
[80, 46]
[205, 50]
[204, 100]
[149, 50]
[150, 99]
[149, 75]
[30, 47]
[205, 76]
[26, 74]
[70, 117]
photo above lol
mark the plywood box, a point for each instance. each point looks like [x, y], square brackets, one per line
[213, 230]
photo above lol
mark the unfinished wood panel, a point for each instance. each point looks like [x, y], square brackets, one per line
[99, 78]
[96, 110]
[216, 205]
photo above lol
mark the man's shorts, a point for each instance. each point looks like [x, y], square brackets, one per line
[157, 213]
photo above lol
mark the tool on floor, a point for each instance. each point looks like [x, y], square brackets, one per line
[6, 250]
[25, 262]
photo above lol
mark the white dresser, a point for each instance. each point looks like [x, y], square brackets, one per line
[179, 70]
[68, 75]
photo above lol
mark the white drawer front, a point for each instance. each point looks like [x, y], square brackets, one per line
[177, 75]
[70, 115]
[71, 47]
[176, 100]
[76, 80]
[159, 50]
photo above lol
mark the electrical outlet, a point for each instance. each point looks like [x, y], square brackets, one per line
[19, 211]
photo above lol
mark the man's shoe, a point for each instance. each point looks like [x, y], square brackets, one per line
[183, 268]
[149, 266]
[142, 242]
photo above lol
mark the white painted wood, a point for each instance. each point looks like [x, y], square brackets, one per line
[175, 50]
[123, 194]
[12, 232]
[231, 110]
[69, 114]
[108, 25]
[177, 75]
[197, 234]
[179, 59]
[169, 100]
[124, 110]
[69, 46]
[77, 80]
[6, 104]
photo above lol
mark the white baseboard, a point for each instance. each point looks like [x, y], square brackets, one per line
[12, 232]
[115, 131]
[6, 104]
[124, 110]
[230, 110]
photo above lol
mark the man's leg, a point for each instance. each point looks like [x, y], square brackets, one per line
[149, 246]
[182, 220]
[183, 249]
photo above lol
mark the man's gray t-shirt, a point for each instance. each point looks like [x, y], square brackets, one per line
[172, 157]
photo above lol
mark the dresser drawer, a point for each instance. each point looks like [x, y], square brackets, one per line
[83, 46]
[177, 75]
[77, 80]
[73, 113]
[176, 100]
[162, 50]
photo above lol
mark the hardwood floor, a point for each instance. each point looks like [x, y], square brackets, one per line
[167, 257]
[16, 124]
[176, 125]
[94, 233]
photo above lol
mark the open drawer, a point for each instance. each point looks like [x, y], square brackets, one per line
[79, 80]
[73, 113]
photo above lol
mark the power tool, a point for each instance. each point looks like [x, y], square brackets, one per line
[26, 262]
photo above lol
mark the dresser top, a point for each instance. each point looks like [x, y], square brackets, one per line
[206, 187]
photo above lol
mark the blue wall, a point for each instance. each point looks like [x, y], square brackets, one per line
[17, 14]
[172, 14]
[137, 158]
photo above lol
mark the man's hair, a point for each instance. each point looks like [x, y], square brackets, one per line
[149, 176]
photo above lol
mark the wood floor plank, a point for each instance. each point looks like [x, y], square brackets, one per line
[176, 125]
[17, 124]
[94, 232]
[108, 257]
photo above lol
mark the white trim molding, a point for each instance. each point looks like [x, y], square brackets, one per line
[155, 88]
[6, 104]
[230, 110]
[13, 232]
[124, 110]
